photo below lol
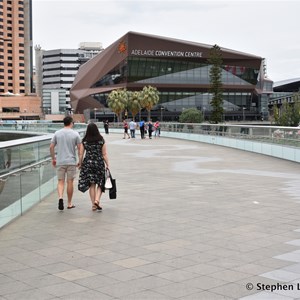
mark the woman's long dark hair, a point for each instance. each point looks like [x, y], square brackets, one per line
[92, 134]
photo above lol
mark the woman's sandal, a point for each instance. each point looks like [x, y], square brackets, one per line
[96, 204]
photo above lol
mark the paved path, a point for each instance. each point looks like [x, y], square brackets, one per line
[192, 221]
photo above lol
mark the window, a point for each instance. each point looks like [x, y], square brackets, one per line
[21, 35]
[11, 109]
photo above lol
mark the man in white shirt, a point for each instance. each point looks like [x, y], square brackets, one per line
[132, 127]
[65, 141]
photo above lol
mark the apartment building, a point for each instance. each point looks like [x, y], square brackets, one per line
[16, 47]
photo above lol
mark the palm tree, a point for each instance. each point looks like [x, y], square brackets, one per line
[149, 98]
[117, 102]
[134, 102]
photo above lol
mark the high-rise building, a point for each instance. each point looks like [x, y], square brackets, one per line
[56, 71]
[16, 66]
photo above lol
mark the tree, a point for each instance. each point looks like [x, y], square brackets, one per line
[149, 98]
[215, 76]
[191, 115]
[289, 114]
[134, 102]
[117, 102]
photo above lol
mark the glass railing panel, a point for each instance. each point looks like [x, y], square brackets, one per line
[48, 179]
[10, 184]
[10, 198]
[30, 183]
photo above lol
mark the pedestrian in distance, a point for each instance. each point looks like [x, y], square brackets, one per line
[106, 126]
[93, 161]
[142, 129]
[125, 126]
[157, 129]
[65, 141]
[132, 127]
[150, 129]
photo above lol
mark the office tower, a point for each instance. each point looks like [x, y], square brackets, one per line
[56, 71]
[16, 46]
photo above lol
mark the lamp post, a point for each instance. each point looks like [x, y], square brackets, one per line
[262, 114]
[204, 108]
[161, 113]
[95, 109]
[24, 125]
[244, 113]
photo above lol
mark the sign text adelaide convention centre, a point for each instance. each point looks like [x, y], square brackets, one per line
[165, 53]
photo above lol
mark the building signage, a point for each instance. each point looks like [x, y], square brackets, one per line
[165, 53]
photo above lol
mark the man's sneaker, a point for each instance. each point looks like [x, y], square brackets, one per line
[61, 204]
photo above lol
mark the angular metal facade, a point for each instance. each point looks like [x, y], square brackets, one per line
[178, 69]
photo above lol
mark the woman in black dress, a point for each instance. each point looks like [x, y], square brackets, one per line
[92, 165]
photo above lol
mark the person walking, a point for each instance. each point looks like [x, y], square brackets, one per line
[142, 129]
[132, 127]
[65, 141]
[157, 129]
[93, 160]
[106, 126]
[150, 129]
[125, 126]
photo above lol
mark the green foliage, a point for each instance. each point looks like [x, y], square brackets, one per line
[134, 102]
[191, 115]
[289, 114]
[149, 98]
[215, 75]
[117, 101]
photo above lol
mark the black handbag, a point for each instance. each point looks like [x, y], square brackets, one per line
[113, 188]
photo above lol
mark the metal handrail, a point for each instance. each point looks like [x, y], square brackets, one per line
[19, 170]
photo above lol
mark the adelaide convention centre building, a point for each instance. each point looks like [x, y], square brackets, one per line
[179, 70]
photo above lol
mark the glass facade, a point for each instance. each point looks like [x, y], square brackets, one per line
[179, 70]
[169, 73]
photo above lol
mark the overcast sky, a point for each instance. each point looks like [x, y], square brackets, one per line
[269, 29]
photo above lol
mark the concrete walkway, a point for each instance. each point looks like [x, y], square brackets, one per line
[192, 221]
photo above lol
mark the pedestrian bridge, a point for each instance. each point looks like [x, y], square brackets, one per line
[30, 177]
[192, 220]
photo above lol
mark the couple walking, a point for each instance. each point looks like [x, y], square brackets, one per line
[93, 160]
